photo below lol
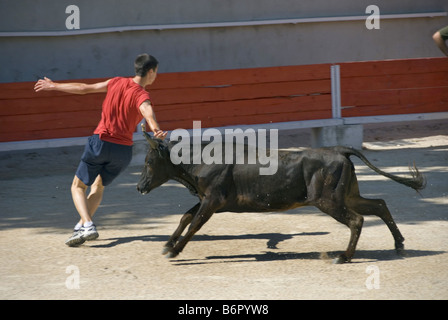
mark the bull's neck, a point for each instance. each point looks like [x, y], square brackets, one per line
[184, 177]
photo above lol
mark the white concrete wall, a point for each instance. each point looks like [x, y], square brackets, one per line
[110, 54]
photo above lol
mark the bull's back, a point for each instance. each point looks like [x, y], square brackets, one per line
[290, 187]
[263, 193]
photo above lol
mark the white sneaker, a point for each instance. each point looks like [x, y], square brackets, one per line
[76, 239]
[82, 235]
[89, 233]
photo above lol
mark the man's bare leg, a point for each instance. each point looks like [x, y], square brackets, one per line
[90, 203]
[86, 207]
[79, 190]
[95, 196]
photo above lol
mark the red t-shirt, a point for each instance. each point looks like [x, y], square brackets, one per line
[121, 114]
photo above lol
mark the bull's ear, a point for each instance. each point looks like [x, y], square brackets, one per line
[152, 142]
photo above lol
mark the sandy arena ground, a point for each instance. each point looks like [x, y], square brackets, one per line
[234, 256]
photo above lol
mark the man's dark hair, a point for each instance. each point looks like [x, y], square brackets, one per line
[144, 63]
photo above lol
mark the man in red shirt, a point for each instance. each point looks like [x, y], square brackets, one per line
[109, 150]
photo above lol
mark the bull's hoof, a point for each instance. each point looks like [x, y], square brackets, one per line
[169, 252]
[399, 248]
[341, 259]
[165, 250]
[401, 252]
[172, 254]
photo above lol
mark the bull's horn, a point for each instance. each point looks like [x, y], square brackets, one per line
[153, 143]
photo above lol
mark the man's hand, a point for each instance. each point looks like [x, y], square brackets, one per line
[44, 84]
[159, 134]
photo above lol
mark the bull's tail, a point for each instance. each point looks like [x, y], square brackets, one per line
[416, 181]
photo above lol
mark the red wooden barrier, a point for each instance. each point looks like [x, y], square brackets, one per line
[217, 98]
[238, 97]
[26, 115]
[243, 96]
[390, 87]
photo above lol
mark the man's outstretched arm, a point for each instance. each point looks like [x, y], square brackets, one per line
[74, 88]
[150, 117]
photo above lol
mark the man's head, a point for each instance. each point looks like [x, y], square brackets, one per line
[146, 65]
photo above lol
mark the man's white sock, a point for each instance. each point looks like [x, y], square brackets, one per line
[88, 224]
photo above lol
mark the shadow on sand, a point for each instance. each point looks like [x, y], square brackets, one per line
[273, 239]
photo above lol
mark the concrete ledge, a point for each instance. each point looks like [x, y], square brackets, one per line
[344, 135]
[318, 131]
[397, 118]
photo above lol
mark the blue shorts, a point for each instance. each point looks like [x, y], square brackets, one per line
[103, 158]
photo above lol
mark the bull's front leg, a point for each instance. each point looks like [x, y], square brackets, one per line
[203, 214]
[184, 221]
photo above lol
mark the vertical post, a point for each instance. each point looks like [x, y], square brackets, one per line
[335, 92]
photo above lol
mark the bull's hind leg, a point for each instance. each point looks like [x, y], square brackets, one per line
[332, 200]
[184, 222]
[379, 208]
[352, 220]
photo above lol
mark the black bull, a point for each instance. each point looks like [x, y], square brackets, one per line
[324, 178]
